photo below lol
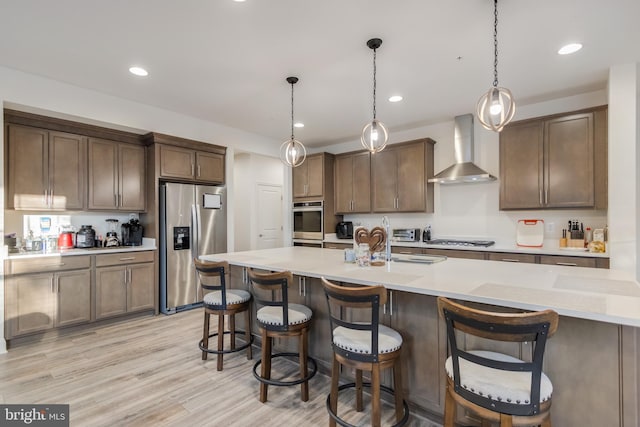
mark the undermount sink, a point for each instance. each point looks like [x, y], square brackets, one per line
[419, 259]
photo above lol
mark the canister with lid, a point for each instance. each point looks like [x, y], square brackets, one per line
[86, 236]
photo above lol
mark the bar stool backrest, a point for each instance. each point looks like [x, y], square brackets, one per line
[534, 327]
[212, 276]
[355, 308]
[271, 289]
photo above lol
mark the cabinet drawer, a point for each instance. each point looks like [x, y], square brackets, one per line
[405, 250]
[456, 253]
[46, 264]
[124, 258]
[568, 260]
[328, 245]
[510, 257]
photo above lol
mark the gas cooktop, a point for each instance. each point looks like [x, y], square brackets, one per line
[454, 242]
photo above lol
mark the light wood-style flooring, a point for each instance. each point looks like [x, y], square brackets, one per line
[148, 371]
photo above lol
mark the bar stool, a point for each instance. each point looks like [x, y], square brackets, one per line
[495, 386]
[220, 302]
[277, 318]
[363, 345]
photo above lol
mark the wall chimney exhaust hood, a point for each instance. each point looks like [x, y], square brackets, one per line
[464, 170]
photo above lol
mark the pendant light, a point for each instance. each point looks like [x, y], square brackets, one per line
[496, 107]
[374, 134]
[292, 152]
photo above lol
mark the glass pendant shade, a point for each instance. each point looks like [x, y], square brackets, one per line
[496, 108]
[293, 153]
[374, 136]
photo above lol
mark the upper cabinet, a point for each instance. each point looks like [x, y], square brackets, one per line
[116, 176]
[353, 183]
[313, 179]
[555, 162]
[46, 170]
[192, 165]
[184, 160]
[307, 178]
[399, 177]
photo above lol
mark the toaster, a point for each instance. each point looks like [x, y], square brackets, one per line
[406, 234]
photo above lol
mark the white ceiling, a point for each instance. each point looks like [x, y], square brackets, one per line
[227, 62]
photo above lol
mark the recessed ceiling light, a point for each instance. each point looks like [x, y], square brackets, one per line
[298, 124]
[395, 98]
[138, 71]
[239, 1]
[569, 48]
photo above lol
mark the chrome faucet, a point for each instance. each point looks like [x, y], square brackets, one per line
[387, 229]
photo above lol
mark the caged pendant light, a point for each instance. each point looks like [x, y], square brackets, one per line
[496, 107]
[292, 152]
[374, 134]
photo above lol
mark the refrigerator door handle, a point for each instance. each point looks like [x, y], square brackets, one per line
[195, 231]
[198, 207]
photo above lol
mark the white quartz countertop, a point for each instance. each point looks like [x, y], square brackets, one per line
[147, 245]
[587, 293]
[549, 247]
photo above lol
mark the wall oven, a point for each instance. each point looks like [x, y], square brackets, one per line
[308, 223]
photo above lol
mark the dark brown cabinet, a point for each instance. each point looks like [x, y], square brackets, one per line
[353, 183]
[46, 169]
[415, 316]
[125, 283]
[43, 294]
[399, 177]
[191, 165]
[308, 178]
[555, 162]
[116, 176]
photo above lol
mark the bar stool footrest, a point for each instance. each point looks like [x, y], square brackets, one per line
[227, 351]
[310, 360]
[389, 390]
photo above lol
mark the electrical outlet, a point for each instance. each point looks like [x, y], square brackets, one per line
[550, 227]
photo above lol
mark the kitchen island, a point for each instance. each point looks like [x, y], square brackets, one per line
[592, 360]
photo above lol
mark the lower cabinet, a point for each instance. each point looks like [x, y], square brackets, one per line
[415, 317]
[126, 287]
[36, 302]
[320, 336]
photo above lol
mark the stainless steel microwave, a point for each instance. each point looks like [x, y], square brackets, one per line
[308, 220]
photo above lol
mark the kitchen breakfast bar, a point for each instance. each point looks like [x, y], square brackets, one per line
[593, 359]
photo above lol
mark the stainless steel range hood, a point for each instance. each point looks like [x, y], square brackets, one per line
[464, 170]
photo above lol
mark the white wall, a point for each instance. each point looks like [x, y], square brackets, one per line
[251, 170]
[472, 210]
[623, 166]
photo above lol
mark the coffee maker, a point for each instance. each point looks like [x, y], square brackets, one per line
[111, 238]
[132, 233]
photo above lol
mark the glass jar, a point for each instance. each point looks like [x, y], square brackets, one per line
[362, 255]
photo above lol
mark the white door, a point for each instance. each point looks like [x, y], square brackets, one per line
[269, 212]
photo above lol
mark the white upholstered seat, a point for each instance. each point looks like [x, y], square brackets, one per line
[360, 341]
[273, 315]
[234, 296]
[497, 384]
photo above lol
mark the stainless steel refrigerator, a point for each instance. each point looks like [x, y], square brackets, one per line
[193, 222]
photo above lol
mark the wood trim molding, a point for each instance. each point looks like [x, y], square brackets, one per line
[159, 138]
[62, 125]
